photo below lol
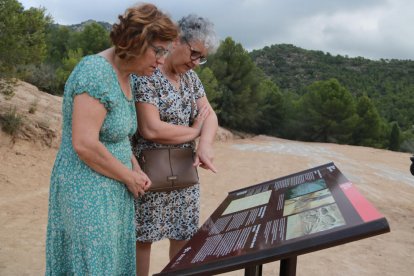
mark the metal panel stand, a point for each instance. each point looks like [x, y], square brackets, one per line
[255, 270]
[288, 266]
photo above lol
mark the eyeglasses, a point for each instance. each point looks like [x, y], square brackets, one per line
[194, 55]
[160, 52]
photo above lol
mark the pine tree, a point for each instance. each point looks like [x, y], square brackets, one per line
[367, 130]
[211, 86]
[239, 79]
[395, 137]
[22, 36]
[328, 112]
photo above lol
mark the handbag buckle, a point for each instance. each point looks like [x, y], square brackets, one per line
[172, 178]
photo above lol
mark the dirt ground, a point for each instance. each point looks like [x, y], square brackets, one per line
[382, 176]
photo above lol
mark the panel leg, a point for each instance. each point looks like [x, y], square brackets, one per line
[255, 270]
[288, 266]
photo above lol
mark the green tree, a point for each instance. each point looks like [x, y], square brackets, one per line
[368, 127]
[395, 137]
[92, 39]
[328, 112]
[211, 86]
[271, 107]
[68, 63]
[58, 43]
[238, 82]
[292, 121]
[22, 36]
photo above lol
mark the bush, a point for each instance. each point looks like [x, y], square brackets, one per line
[7, 87]
[33, 106]
[407, 146]
[11, 122]
[408, 141]
[43, 77]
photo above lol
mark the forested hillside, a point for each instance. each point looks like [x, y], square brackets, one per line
[389, 83]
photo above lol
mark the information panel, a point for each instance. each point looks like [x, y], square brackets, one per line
[300, 213]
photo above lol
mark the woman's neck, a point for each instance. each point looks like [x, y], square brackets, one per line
[168, 70]
[119, 65]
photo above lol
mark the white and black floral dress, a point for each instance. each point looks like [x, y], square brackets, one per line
[175, 214]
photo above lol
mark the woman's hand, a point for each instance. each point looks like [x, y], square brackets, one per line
[204, 157]
[201, 116]
[138, 182]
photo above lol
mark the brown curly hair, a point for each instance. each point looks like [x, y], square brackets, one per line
[138, 27]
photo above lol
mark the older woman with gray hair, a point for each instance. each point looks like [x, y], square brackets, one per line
[172, 111]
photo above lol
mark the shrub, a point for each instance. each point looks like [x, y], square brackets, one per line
[33, 106]
[11, 122]
[42, 76]
[7, 87]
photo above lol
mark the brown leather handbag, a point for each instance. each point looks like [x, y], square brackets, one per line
[169, 168]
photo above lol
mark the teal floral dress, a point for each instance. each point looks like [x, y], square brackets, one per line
[91, 227]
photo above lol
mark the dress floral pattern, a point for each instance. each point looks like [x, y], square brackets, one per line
[91, 217]
[175, 214]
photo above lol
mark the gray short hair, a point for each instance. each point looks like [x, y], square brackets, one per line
[194, 27]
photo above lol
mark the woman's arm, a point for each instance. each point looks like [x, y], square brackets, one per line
[210, 125]
[87, 119]
[205, 151]
[152, 128]
[135, 164]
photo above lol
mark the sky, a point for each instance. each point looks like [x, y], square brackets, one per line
[373, 29]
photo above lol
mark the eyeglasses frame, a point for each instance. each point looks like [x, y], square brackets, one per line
[202, 59]
[160, 52]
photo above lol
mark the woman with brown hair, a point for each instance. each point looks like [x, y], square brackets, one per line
[96, 177]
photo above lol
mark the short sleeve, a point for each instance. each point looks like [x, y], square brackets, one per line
[197, 85]
[145, 89]
[95, 76]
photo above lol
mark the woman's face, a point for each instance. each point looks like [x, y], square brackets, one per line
[187, 55]
[151, 58]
